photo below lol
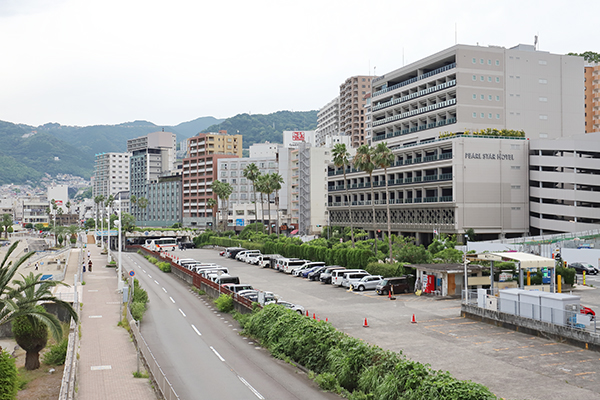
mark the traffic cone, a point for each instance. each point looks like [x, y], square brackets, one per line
[413, 320]
[350, 290]
[326, 319]
[307, 313]
[366, 325]
[390, 295]
[314, 316]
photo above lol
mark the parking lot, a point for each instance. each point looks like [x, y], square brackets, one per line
[513, 365]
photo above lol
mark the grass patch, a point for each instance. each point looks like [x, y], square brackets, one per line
[141, 374]
[198, 291]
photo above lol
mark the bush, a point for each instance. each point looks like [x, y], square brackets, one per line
[57, 353]
[8, 377]
[164, 266]
[328, 382]
[138, 310]
[224, 303]
[151, 259]
[139, 294]
[385, 270]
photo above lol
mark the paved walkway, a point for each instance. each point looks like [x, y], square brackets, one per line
[107, 355]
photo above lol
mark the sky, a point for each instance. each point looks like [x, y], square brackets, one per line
[89, 62]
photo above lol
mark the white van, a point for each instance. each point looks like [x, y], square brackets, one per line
[242, 255]
[280, 261]
[211, 270]
[353, 277]
[338, 275]
[288, 266]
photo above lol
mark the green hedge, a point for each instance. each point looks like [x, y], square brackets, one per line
[138, 304]
[8, 377]
[164, 266]
[57, 353]
[386, 270]
[350, 366]
[349, 258]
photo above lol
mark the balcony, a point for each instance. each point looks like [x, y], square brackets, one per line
[415, 79]
[415, 95]
[418, 111]
[447, 121]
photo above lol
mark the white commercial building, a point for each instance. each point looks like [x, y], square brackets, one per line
[60, 194]
[328, 121]
[564, 184]
[450, 121]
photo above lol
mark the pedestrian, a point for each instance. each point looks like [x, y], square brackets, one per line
[90, 265]
[89, 254]
[36, 266]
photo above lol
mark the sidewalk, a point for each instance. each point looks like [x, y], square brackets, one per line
[107, 355]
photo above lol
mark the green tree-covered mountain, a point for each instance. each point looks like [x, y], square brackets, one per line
[260, 127]
[191, 128]
[25, 156]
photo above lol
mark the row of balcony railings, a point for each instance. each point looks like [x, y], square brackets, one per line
[433, 199]
[394, 182]
[414, 95]
[418, 111]
[398, 163]
[412, 80]
[447, 121]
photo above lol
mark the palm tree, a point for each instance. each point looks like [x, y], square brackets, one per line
[20, 298]
[211, 203]
[341, 159]
[363, 160]
[98, 199]
[262, 186]
[223, 190]
[276, 181]
[142, 203]
[252, 173]
[383, 158]
[6, 222]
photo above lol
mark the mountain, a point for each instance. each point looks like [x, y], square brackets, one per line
[25, 155]
[191, 128]
[259, 128]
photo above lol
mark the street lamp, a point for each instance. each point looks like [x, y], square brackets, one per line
[120, 271]
[466, 278]
[102, 228]
[107, 235]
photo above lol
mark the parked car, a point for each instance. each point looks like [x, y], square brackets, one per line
[268, 260]
[401, 284]
[368, 282]
[287, 265]
[307, 266]
[588, 311]
[253, 295]
[349, 278]
[253, 259]
[242, 255]
[580, 268]
[337, 276]
[222, 253]
[294, 307]
[307, 271]
[234, 252]
[326, 275]
[228, 251]
[239, 287]
[315, 274]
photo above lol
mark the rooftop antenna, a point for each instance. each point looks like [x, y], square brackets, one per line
[455, 33]
[535, 42]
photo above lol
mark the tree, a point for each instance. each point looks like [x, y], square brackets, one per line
[588, 56]
[252, 173]
[32, 336]
[211, 203]
[223, 190]
[383, 158]
[98, 199]
[363, 160]
[142, 203]
[20, 298]
[276, 180]
[6, 222]
[261, 186]
[341, 159]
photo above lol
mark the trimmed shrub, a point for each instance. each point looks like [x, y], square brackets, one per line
[138, 310]
[164, 266]
[57, 353]
[8, 377]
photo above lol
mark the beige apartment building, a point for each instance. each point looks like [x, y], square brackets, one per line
[592, 97]
[352, 108]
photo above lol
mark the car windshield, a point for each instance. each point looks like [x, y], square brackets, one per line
[384, 282]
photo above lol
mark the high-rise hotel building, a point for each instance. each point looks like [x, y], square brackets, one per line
[449, 174]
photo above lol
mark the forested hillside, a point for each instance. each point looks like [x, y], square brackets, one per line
[260, 127]
[28, 157]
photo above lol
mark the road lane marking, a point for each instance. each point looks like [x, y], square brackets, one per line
[149, 276]
[182, 313]
[217, 353]
[155, 281]
[197, 331]
[165, 290]
[172, 299]
[144, 270]
[260, 396]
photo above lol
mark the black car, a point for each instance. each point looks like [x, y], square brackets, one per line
[316, 274]
[589, 269]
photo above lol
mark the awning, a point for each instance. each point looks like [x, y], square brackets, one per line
[294, 232]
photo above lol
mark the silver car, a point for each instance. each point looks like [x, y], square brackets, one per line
[367, 283]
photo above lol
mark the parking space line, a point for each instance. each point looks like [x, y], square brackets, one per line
[585, 373]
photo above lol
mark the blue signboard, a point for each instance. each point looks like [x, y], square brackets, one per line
[239, 222]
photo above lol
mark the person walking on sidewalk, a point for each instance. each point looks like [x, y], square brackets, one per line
[89, 254]
[90, 265]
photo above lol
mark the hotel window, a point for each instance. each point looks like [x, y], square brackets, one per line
[543, 117]
[482, 78]
[481, 60]
[490, 97]
[489, 62]
[490, 115]
[497, 98]
[482, 97]
[482, 115]
[474, 97]
[497, 62]
[497, 80]
[497, 116]
[543, 81]
[474, 77]
[474, 115]
[489, 78]
[543, 99]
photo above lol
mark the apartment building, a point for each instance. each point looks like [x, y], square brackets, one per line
[564, 182]
[164, 200]
[111, 174]
[351, 108]
[199, 170]
[448, 175]
[34, 211]
[592, 97]
[328, 122]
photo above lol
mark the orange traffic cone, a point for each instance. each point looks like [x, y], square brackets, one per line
[307, 313]
[413, 320]
[366, 325]
[326, 319]
[314, 316]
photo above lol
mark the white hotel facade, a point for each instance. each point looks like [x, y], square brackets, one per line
[445, 177]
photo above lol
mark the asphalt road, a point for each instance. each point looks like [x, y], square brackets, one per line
[202, 352]
[513, 365]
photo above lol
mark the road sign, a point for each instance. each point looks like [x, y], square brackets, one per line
[132, 273]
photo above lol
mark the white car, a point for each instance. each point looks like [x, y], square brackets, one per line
[294, 307]
[367, 283]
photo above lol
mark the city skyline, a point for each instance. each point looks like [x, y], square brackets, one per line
[88, 63]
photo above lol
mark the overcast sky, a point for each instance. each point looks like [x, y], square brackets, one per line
[87, 62]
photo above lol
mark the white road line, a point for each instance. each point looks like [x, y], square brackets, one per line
[182, 313]
[149, 276]
[172, 299]
[260, 396]
[143, 270]
[197, 331]
[217, 353]
[165, 290]
[155, 281]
